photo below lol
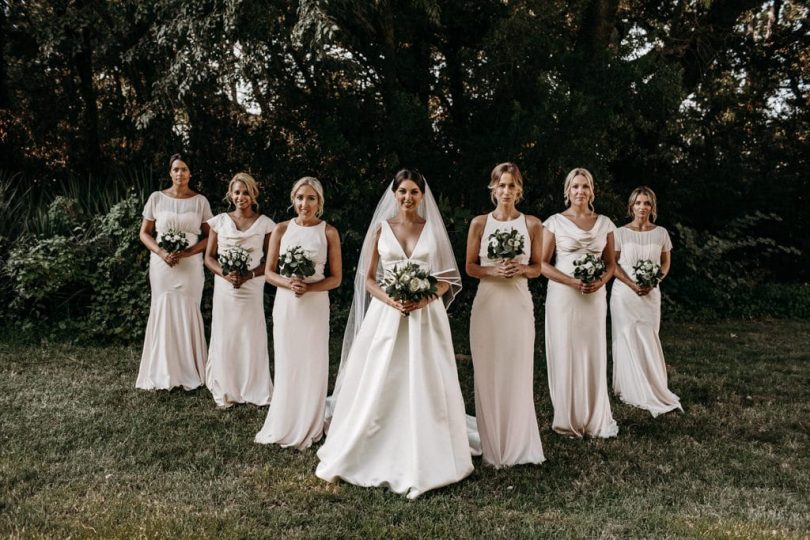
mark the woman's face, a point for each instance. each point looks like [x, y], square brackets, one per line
[305, 201]
[579, 193]
[408, 195]
[507, 190]
[179, 172]
[240, 196]
[642, 207]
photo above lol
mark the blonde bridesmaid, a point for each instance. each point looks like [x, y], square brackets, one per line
[639, 370]
[238, 369]
[576, 313]
[174, 350]
[301, 321]
[502, 326]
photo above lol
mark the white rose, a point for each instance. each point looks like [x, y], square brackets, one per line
[415, 285]
[288, 259]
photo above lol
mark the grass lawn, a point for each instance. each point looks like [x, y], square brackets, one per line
[82, 453]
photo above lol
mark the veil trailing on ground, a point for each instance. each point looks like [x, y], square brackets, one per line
[443, 268]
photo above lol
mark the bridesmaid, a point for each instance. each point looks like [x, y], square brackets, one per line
[502, 327]
[639, 370]
[576, 312]
[174, 348]
[301, 322]
[238, 369]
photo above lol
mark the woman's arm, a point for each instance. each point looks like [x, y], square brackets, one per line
[271, 274]
[147, 238]
[535, 266]
[622, 276]
[199, 247]
[472, 265]
[549, 270]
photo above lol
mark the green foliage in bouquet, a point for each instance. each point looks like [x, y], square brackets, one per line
[173, 240]
[234, 260]
[647, 273]
[589, 268]
[505, 244]
[409, 282]
[296, 263]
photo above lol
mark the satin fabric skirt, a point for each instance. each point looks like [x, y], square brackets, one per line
[238, 369]
[399, 418]
[174, 349]
[576, 355]
[502, 346]
[639, 370]
[301, 351]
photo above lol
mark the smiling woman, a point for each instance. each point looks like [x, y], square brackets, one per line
[304, 264]
[238, 369]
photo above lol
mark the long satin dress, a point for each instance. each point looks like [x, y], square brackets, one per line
[399, 418]
[238, 369]
[301, 345]
[576, 336]
[502, 346]
[174, 349]
[639, 370]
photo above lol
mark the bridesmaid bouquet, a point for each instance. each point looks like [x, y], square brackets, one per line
[589, 268]
[505, 244]
[295, 263]
[234, 259]
[647, 273]
[409, 282]
[173, 240]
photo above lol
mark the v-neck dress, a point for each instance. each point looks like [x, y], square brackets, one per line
[576, 336]
[238, 369]
[399, 419]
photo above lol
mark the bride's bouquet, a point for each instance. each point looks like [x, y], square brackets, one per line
[409, 282]
[234, 260]
[295, 262]
[505, 244]
[589, 268]
[173, 240]
[647, 273]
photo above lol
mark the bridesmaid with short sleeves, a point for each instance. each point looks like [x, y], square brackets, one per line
[639, 370]
[174, 350]
[238, 368]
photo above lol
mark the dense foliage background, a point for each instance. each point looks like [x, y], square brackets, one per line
[706, 101]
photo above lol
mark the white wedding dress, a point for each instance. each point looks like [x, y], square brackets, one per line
[399, 417]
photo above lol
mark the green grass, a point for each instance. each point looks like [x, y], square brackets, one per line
[83, 454]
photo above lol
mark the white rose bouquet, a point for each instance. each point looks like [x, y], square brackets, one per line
[173, 241]
[409, 282]
[505, 244]
[647, 273]
[295, 262]
[589, 268]
[234, 260]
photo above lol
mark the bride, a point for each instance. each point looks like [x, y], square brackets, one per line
[398, 417]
